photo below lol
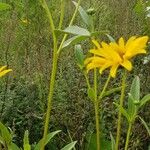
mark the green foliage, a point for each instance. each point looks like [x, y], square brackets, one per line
[69, 146]
[27, 50]
[4, 6]
[26, 144]
[79, 56]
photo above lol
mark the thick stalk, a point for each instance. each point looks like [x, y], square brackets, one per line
[53, 75]
[119, 114]
[50, 96]
[96, 106]
[128, 136]
[54, 67]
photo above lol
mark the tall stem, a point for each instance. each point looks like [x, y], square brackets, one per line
[119, 114]
[128, 136]
[53, 75]
[50, 96]
[54, 66]
[96, 106]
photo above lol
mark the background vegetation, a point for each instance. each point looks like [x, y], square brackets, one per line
[26, 48]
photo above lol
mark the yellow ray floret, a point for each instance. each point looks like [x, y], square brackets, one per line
[115, 54]
[4, 71]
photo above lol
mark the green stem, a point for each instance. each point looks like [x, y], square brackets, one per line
[104, 88]
[96, 106]
[119, 114]
[50, 96]
[87, 81]
[52, 26]
[71, 22]
[53, 75]
[54, 67]
[128, 136]
[62, 14]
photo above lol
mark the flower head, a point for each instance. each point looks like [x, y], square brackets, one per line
[4, 71]
[115, 54]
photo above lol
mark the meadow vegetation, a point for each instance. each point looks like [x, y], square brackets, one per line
[52, 95]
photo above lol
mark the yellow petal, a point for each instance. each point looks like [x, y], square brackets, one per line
[136, 47]
[92, 66]
[105, 66]
[127, 64]
[121, 42]
[96, 44]
[131, 39]
[87, 60]
[2, 68]
[2, 73]
[113, 70]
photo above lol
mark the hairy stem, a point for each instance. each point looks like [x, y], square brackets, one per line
[128, 136]
[119, 114]
[96, 106]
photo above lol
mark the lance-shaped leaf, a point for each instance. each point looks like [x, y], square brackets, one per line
[5, 134]
[144, 100]
[135, 88]
[74, 40]
[134, 95]
[79, 56]
[48, 138]
[70, 146]
[76, 31]
[110, 38]
[85, 17]
[112, 142]
[123, 111]
[13, 147]
[145, 125]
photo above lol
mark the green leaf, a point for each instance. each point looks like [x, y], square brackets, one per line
[134, 95]
[26, 144]
[112, 91]
[110, 38]
[91, 145]
[79, 56]
[70, 146]
[144, 100]
[4, 6]
[131, 105]
[2, 140]
[112, 142]
[13, 146]
[97, 33]
[123, 111]
[77, 31]
[145, 125]
[91, 94]
[48, 138]
[6, 135]
[85, 17]
[74, 40]
[135, 88]
[139, 7]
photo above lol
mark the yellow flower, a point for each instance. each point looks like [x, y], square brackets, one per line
[115, 54]
[4, 71]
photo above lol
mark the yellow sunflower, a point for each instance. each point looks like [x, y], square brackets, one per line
[115, 54]
[4, 71]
